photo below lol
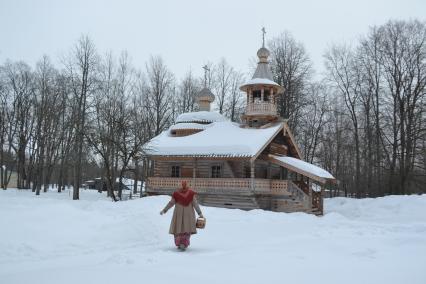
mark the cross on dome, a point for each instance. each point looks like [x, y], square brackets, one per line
[263, 36]
[206, 69]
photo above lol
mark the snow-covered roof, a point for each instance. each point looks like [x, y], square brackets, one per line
[189, 125]
[221, 139]
[304, 168]
[263, 74]
[260, 81]
[263, 71]
[200, 116]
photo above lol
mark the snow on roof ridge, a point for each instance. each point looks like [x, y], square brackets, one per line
[255, 81]
[189, 125]
[200, 116]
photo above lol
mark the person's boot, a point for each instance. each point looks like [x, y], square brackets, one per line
[182, 247]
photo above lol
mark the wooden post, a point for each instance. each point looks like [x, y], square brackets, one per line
[144, 177]
[268, 171]
[194, 172]
[309, 183]
[250, 101]
[261, 94]
[252, 175]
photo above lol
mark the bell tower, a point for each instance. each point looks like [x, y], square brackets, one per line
[262, 92]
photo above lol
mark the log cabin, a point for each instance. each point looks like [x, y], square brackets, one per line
[253, 165]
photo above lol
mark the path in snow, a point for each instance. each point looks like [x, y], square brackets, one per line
[52, 239]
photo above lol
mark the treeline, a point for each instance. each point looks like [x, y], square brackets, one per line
[91, 116]
[364, 120]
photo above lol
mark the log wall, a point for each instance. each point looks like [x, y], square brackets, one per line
[230, 169]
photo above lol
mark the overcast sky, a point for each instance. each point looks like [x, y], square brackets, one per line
[188, 34]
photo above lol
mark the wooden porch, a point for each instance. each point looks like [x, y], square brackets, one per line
[243, 193]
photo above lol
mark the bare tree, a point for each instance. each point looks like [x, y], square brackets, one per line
[344, 75]
[403, 49]
[46, 115]
[292, 69]
[159, 86]
[20, 120]
[314, 117]
[81, 71]
[222, 83]
[188, 89]
[235, 102]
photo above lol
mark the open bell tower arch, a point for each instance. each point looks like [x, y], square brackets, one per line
[262, 92]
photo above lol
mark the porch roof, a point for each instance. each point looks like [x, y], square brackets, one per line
[304, 168]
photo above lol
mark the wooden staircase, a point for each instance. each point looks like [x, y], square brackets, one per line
[295, 202]
[228, 201]
[317, 203]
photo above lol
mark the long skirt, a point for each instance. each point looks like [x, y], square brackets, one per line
[182, 239]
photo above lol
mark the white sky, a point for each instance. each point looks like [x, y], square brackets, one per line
[188, 34]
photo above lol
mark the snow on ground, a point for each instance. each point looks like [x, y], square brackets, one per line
[52, 239]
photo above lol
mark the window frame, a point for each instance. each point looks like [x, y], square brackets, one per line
[266, 95]
[257, 95]
[217, 172]
[174, 173]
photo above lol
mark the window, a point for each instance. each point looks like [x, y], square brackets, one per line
[247, 172]
[216, 172]
[257, 95]
[175, 171]
[266, 95]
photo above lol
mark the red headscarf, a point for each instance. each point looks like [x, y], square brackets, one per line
[184, 196]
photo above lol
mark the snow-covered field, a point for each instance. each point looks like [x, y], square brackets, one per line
[52, 239]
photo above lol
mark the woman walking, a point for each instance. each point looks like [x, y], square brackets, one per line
[183, 221]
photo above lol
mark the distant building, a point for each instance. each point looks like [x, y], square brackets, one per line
[100, 184]
[13, 182]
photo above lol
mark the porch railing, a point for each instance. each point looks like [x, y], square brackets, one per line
[261, 108]
[224, 185]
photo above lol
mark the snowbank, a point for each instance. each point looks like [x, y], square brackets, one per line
[52, 239]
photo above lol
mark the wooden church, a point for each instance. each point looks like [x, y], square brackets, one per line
[256, 164]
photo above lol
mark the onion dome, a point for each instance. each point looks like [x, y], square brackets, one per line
[205, 95]
[204, 98]
[263, 54]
